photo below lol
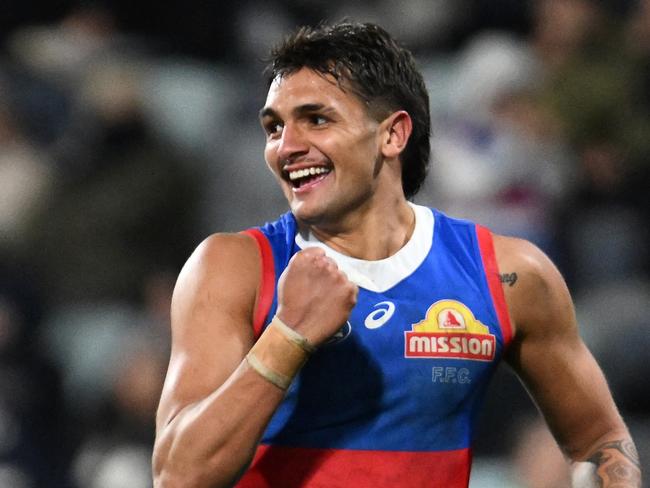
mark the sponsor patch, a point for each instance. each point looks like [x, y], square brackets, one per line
[450, 330]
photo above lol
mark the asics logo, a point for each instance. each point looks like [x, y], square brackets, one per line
[379, 317]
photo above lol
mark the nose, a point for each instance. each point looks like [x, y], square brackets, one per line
[293, 142]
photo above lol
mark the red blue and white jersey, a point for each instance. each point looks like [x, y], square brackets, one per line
[392, 399]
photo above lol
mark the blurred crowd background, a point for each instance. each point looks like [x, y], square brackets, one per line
[127, 135]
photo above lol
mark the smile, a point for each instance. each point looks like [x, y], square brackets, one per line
[307, 176]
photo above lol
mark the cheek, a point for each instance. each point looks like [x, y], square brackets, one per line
[271, 158]
[363, 154]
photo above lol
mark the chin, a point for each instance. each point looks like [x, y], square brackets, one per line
[308, 215]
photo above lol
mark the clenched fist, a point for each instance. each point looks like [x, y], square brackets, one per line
[314, 297]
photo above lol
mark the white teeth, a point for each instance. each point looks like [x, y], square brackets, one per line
[301, 173]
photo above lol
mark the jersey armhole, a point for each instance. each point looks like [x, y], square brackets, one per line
[267, 284]
[488, 256]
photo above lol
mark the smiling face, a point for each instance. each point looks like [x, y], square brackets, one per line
[322, 145]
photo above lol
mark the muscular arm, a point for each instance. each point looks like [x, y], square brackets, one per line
[214, 407]
[559, 371]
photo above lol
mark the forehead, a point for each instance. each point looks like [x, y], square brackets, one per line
[306, 87]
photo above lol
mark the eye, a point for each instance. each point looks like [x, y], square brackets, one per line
[316, 119]
[273, 128]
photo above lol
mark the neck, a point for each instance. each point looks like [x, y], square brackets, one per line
[372, 233]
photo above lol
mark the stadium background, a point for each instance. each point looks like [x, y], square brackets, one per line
[127, 134]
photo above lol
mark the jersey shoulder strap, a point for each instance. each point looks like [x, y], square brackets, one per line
[266, 289]
[491, 268]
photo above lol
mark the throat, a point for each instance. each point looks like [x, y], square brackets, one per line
[369, 240]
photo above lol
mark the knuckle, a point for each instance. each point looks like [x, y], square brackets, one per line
[313, 251]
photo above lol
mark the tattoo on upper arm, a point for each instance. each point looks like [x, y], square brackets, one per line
[510, 278]
[617, 464]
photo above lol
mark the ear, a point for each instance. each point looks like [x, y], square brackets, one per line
[395, 133]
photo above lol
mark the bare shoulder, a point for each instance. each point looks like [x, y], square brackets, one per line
[222, 266]
[538, 298]
[212, 310]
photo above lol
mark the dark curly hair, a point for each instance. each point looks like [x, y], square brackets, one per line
[368, 61]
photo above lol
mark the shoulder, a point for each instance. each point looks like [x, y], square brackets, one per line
[224, 268]
[512, 252]
[536, 293]
[220, 253]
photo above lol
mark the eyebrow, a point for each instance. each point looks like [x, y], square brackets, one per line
[297, 111]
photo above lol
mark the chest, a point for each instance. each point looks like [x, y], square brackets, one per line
[428, 331]
[413, 358]
[428, 343]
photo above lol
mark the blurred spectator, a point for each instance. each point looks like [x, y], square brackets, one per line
[25, 182]
[615, 327]
[117, 451]
[592, 87]
[113, 359]
[61, 51]
[34, 445]
[496, 158]
[638, 42]
[121, 194]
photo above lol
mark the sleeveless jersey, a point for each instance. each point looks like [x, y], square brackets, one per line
[391, 400]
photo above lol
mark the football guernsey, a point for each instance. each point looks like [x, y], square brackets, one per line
[391, 400]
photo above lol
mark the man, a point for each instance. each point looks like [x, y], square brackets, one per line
[350, 342]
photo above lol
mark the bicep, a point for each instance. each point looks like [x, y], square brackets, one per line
[550, 357]
[569, 388]
[211, 316]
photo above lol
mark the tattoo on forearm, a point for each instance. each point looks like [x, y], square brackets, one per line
[617, 465]
[510, 278]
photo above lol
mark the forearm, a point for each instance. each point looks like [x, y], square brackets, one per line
[611, 464]
[210, 442]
